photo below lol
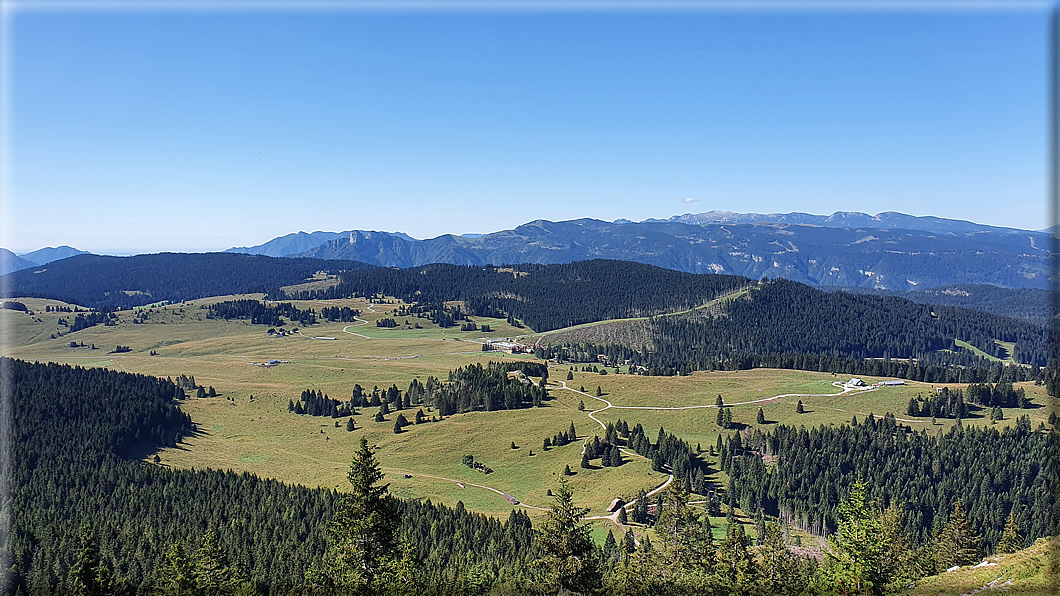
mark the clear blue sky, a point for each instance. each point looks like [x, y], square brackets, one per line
[163, 131]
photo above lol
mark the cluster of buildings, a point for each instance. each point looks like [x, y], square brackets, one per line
[856, 382]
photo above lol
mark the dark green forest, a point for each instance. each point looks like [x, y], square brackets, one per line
[75, 431]
[543, 297]
[993, 473]
[110, 283]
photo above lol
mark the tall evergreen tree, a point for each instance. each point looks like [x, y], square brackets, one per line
[569, 562]
[736, 566]
[958, 544]
[1011, 540]
[177, 575]
[363, 542]
[213, 574]
[89, 575]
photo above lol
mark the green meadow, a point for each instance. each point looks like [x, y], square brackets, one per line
[260, 436]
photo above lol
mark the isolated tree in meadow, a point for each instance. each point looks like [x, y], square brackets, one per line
[349, 425]
[720, 403]
[200, 392]
[726, 418]
[567, 471]
[570, 375]
[581, 405]
[799, 409]
[569, 562]
[513, 445]
[585, 461]
[761, 419]
[599, 391]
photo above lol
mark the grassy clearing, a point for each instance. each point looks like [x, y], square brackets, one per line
[570, 333]
[1010, 346]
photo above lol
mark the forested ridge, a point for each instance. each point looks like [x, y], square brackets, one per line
[544, 297]
[785, 317]
[775, 317]
[75, 427]
[994, 474]
[106, 282]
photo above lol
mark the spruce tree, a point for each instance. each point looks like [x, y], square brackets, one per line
[569, 562]
[89, 575]
[177, 574]
[1011, 540]
[736, 565]
[213, 574]
[799, 409]
[958, 544]
[761, 416]
[585, 460]
[362, 542]
[349, 425]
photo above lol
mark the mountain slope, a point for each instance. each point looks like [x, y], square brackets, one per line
[122, 282]
[890, 259]
[1026, 304]
[9, 262]
[844, 219]
[48, 254]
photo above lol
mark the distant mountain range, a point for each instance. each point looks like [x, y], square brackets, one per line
[888, 251]
[891, 220]
[9, 261]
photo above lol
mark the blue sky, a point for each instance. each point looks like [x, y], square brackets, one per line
[201, 131]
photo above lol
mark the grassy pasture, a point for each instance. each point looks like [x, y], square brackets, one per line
[261, 437]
